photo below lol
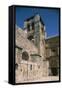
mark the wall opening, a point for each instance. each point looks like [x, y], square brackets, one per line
[25, 56]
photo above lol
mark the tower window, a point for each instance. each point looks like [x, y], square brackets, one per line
[42, 29]
[33, 25]
[28, 27]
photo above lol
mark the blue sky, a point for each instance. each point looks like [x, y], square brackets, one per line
[49, 16]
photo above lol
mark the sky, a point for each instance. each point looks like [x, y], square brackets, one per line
[49, 16]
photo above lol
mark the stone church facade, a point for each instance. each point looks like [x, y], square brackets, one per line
[32, 62]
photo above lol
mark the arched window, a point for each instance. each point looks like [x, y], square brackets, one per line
[25, 55]
[28, 27]
[32, 25]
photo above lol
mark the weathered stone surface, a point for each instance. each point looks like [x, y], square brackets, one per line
[37, 63]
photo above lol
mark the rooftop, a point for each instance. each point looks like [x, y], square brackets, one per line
[34, 17]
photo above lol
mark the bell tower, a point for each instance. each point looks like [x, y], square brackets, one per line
[35, 29]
